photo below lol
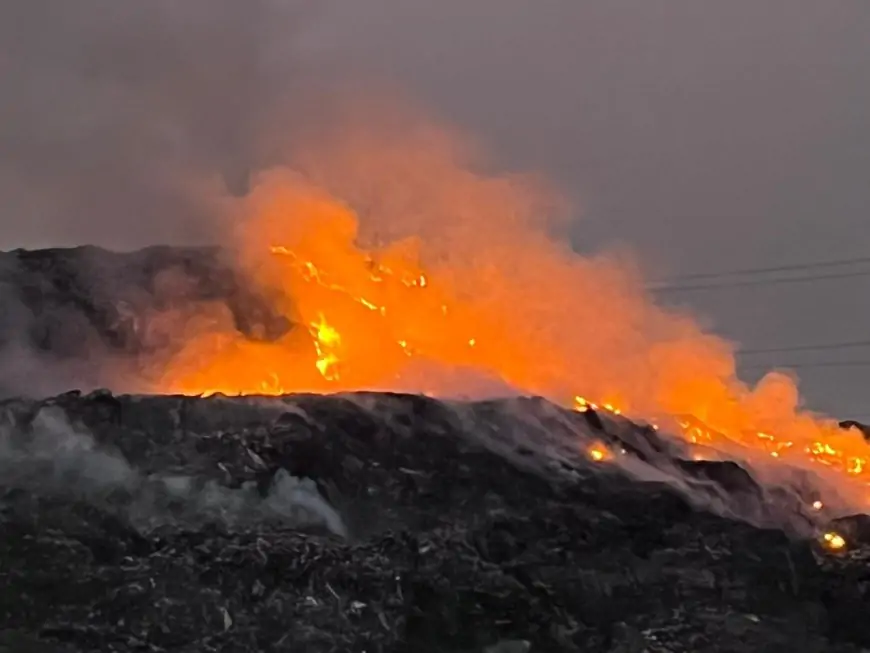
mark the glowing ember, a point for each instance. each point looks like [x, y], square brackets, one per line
[834, 541]
[598, 452]
[581, 404]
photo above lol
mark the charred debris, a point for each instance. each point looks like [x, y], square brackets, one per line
[379, 522]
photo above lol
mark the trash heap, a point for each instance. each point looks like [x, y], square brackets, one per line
[379, 522]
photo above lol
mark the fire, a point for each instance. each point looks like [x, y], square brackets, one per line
[404, 268]
[326, 342]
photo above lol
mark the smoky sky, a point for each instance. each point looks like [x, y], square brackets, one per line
[115, 116]
[707, 137]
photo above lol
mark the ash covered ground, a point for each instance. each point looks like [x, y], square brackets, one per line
[368, 522]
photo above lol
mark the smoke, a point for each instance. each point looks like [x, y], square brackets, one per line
[54, 459]
[126, 125]
[395, 242]
[376, 180]
[131, 123]
[120, 121]
[26, 369]
[74, 319]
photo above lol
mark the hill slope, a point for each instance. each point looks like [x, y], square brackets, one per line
[177, 524]
[365, 522]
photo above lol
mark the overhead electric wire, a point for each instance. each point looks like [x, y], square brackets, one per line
[737, 278]
[820, 347]
[758, 282]
[777, 275]
[803, 365]
[794, 267]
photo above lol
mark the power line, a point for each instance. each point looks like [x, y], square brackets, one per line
[760, 282]
[768, 270]
[811, 364]
[821, 347]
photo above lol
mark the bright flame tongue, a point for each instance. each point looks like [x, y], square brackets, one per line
[496, 297]
[366, 318]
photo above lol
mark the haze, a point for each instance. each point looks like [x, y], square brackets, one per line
[707, 137]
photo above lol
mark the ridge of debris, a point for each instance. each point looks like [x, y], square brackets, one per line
[404, 524]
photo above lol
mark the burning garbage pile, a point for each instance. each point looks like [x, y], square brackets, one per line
[598, 527]
[384, 255]
[313, 334]
[405, 265]
[643, 477]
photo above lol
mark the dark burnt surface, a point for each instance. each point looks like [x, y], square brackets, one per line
[448, 546]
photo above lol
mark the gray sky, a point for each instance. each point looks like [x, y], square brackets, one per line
[709, 136]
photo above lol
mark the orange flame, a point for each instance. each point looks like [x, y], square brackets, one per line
[402, 265]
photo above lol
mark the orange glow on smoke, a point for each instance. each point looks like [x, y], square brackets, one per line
[405, 269]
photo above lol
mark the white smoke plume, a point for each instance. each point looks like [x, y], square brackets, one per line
[53, 458]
